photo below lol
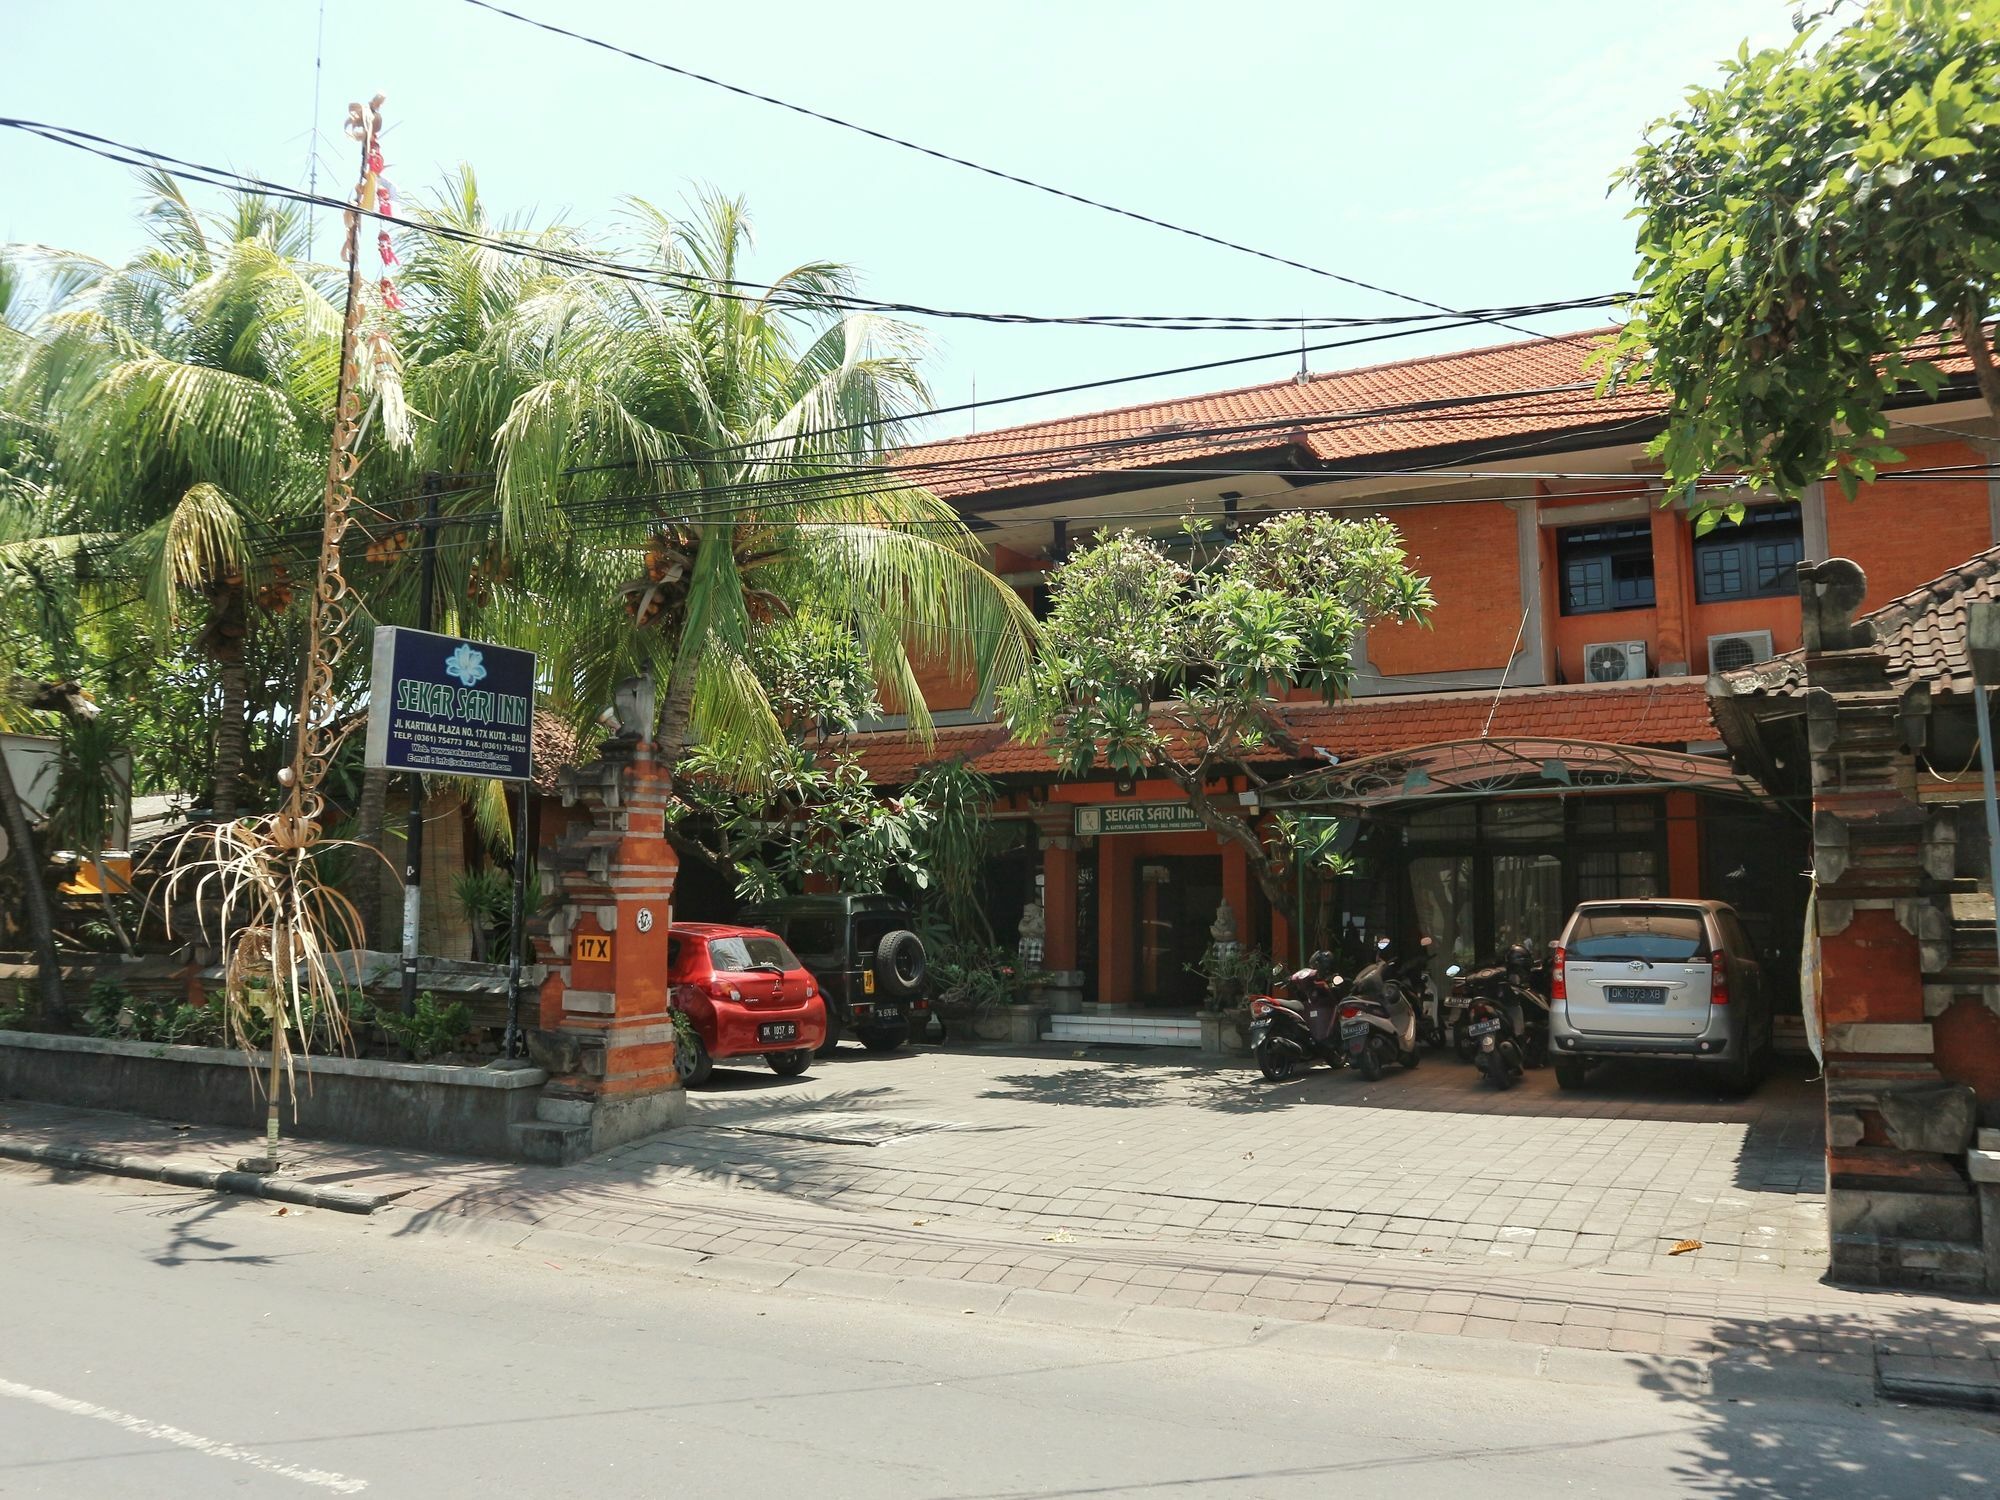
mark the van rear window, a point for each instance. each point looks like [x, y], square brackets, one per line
[1606, 934]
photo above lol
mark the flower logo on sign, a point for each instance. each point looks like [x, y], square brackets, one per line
[466, 664]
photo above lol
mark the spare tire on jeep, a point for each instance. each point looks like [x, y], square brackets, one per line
[900, 965]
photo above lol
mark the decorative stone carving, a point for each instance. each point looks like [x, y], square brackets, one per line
[1829, 594]
[634, 707]
[1831, 847]
[1926, 921]
[1031, 933]
[1915, 714]
[1939, 850]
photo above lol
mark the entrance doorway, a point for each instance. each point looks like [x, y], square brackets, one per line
[1177, 895]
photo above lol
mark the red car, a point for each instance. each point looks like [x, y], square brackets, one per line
[748, 996]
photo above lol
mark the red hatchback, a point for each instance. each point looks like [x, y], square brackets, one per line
[748, 996]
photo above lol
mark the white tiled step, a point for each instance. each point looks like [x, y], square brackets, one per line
[1130, 1031]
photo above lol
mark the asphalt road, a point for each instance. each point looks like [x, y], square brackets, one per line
[163, 1344]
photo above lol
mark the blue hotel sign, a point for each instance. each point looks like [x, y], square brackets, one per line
[453, 707]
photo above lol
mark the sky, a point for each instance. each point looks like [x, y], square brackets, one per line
[1456, 150]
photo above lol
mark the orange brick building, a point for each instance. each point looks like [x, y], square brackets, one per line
[1572, 606]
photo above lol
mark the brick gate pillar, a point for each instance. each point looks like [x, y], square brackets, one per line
[606, 1037]
[1899, 1207]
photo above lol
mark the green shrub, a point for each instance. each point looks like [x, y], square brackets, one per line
[429, 1029]
[108, 1012]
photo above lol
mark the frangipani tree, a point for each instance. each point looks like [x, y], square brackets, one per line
[1151, 665]
[1814, 231]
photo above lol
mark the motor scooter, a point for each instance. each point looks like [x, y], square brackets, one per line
[1289, 1030]
[1378, 1024]
[1507, 1022]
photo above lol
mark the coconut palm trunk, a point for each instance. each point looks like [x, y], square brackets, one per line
[232, 735]
[677, 717]
[41, 920]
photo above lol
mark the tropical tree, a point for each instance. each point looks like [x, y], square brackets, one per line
[1813, 231]
[188, 392]
[461, 372]
[1152, 666]
[730, 441]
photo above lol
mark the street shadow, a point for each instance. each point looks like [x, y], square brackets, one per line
[1784, 1112]
[1101, 1085]
[1846, 1446]
[188, 1244]
[720, 1105]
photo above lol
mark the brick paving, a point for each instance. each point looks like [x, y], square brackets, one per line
[1431, 1163]
[1421, 1205]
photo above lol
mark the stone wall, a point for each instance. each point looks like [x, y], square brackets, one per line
[417, 1106]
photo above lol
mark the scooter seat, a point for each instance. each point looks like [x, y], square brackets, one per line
[1286, 1002]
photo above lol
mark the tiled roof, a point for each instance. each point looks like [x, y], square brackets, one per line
[1923, 634]
[1409, 405]
[1660, 711]
[1664, 711]
[1539, 388]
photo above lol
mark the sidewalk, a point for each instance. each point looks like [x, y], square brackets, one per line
[1728, 1335]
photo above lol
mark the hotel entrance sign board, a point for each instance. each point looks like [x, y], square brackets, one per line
[1137, 817]
[444, 705]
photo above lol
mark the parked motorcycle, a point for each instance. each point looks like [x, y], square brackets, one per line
[1378, 1024]
[1413, 976]
[1507, 1020]
[1289, 1030]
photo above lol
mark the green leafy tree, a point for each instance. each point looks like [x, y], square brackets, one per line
[1150, 665]
[1813, 231]
[725, 449]
[188, 392]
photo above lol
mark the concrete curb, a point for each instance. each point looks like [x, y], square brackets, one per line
[247, 1184]
[1745, 1378]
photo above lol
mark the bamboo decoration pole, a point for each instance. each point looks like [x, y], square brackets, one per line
[295, 909]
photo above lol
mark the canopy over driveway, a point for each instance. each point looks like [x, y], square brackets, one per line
[1511, 767]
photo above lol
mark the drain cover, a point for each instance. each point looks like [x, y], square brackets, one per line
[836, 1128]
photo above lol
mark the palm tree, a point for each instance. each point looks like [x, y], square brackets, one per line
[731, 444]
[454, 337]
[42, 561]
[189, 392]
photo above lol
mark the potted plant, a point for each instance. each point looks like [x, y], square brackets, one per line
[975, 987]
[1233, 973]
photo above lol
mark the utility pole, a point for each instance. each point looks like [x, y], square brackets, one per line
[413, 828]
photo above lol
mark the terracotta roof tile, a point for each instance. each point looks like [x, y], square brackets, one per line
[1375, 411]
[1922, 633]
[1320, 415]
[1664, 711]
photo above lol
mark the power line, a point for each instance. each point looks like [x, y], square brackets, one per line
[995, 172]
[741, 290]
[1070, 459]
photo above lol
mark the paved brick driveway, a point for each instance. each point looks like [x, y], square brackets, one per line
[1429, 1164]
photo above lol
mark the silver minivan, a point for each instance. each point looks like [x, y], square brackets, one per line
[1658, 978]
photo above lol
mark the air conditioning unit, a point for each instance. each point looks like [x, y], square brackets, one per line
[1614, 661]
[1739, 648]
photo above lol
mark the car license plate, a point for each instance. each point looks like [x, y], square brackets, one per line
[867, 981]
[1349, 1030]
[1483, 1028]
[778, 1031]
[1635, 994]
[886, 1012]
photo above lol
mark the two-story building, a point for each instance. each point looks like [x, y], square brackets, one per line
[1546, 738]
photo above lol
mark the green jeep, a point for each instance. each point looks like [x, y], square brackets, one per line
[868, 962]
